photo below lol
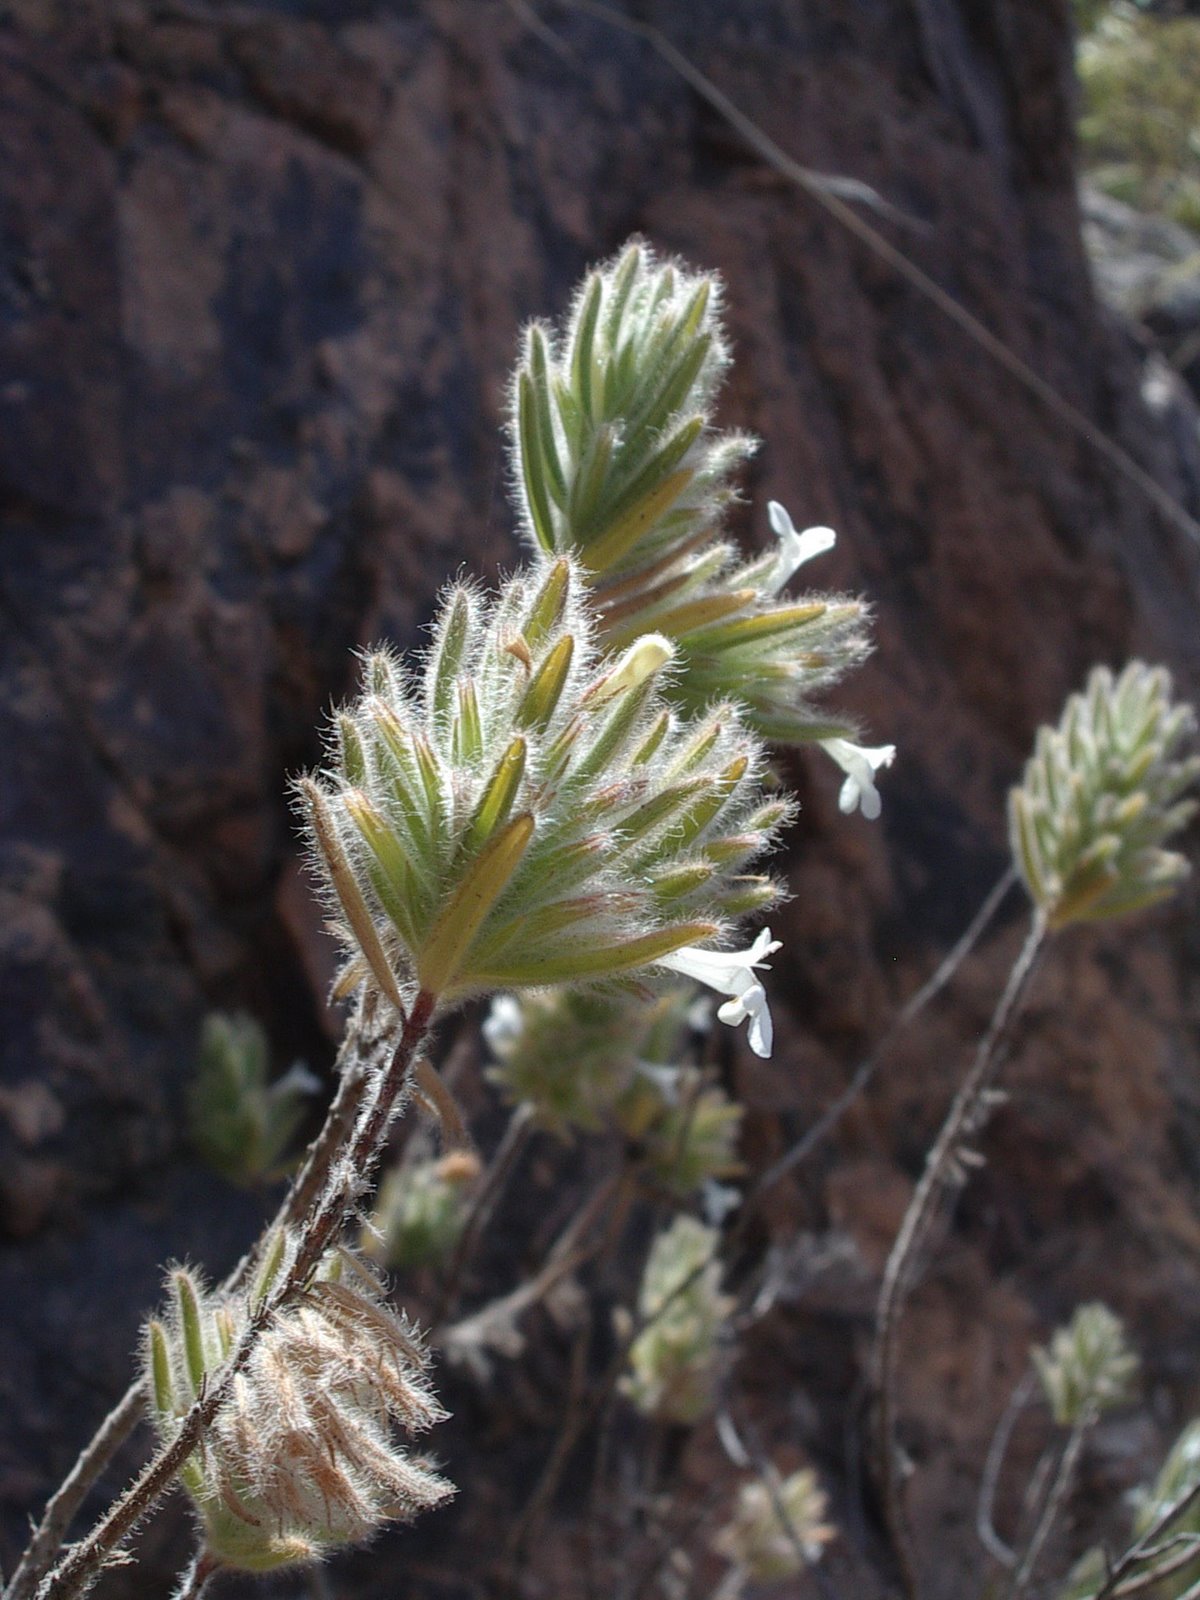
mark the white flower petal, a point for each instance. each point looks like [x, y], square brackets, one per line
[794, 548]
[717, 1200]
[731, 972]
[860, 763]
[761, 1033]
[296, 1080]
[504, 1025]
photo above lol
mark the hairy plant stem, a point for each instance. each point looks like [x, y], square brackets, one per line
[346, 1170]
[967, 1111]
[194, 1579]
[121, 1421]
[65, 1502]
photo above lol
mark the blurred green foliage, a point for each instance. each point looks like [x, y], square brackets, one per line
[241, 1122]
[1139, 126]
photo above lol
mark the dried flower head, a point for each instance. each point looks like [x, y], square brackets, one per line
[529, 814]
[776, 1535]
[303, 1456]
[241, 1123]
[421, 1210]
[1088, 1367]
[618, 462]
[1101, 795]
[676, 1360]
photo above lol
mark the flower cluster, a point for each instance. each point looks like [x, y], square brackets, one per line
[685, 1128]
[775, 1535]
[571, 1054]
[241, 1123]
[676, 1359]
[1088, 1367]
[617, 462]
[530, 813]
[302, 1457]
[587, 1062]
[1101, 795]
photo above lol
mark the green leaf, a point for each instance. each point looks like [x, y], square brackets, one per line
[483, 883]
[531, 464]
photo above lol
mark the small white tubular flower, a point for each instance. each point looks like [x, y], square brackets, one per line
[860, 764]
[504, 1025]
[732, 972]
[794, 548]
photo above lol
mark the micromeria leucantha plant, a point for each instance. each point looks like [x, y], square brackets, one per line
[568, 792]
[563, 803]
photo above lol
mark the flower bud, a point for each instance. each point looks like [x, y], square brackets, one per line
[1101, 795]
[619, 464]
[774, 1536]
[1088, 1367]
[588, 1062]
[676, 1360]
[421, 1210]
[529, 813]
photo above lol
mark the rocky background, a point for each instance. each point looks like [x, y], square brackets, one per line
[261, 275]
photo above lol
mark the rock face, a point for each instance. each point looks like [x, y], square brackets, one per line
[262, 274]
[1148, 268]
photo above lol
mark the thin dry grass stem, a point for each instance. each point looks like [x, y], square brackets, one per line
[1170, 1558]
[528, 1525]
[1144, 1549]
[678, 1534]
[942, 1170]
[985, 1511]
[60, 1510]
[84, 1561]
[1052, 1502]
[744, 1448]
[812, 182]
[494, 1324]
[599, 1401]
[867, 1068]
[640, 1517]
[501, 1167]
[352, 1074]
[120, 1423]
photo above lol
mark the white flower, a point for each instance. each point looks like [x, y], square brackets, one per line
[504, 1025]
[732, 972]
[794, 548]
[860, 766]
[296, 1080]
